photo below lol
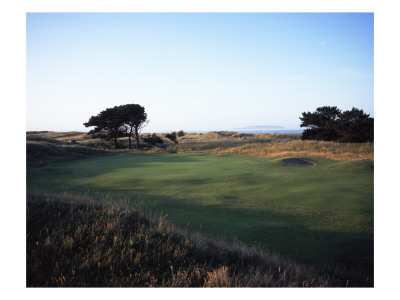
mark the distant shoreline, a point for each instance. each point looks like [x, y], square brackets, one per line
[283, 131]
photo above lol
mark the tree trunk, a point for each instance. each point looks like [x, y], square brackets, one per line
[115, 143]
[130, 137]
[137, 137]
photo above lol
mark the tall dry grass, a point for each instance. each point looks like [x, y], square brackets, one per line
[229, 142]
[272, 145]
[80, 241]
[332, 150]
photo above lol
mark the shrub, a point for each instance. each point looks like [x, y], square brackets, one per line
[180, 133]
[153, 139]
[172, 137]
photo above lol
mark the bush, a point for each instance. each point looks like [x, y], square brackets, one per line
[172, 137]
[153, 139]
[180, 133]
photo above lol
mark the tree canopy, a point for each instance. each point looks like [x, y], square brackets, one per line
[119, 121]
[107, 125]
[134, 118]
[331, 124]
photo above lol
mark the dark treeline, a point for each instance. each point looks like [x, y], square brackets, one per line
[331, 124]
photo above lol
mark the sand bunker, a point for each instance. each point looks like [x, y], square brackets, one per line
[297, 162]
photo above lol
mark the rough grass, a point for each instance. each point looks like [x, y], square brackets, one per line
[41, 151]
[230, 142]
[331, 150]
[273, 145]
[61, 136]
[81, 242]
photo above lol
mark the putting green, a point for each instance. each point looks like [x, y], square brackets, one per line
[322, 214]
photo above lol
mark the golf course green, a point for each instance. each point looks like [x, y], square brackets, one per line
[319, 215]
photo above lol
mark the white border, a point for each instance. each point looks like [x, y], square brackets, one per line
[12, 26]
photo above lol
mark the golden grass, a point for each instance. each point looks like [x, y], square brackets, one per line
[229, 142]
[275, 145]
[331, 150]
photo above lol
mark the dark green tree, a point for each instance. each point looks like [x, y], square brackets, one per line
[356, 126]
[330, 124]
[321, 124]
[108, 125]
[134, 119]
[172, 137]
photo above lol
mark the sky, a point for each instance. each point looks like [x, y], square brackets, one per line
[196, 71]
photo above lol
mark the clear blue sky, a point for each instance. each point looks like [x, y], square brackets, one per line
[197, 71]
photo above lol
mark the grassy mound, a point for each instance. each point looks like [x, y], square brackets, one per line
[38, 139]
[76, 241]
[40, 151]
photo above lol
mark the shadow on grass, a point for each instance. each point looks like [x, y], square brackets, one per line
[273, 230]
[326, 251]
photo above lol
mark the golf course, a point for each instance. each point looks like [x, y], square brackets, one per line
[319, 215]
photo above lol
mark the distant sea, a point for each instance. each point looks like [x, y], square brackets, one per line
[270, 131]
[283, 131]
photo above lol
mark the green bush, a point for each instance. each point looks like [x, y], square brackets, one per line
[180, 133]
[152, 139]
[172, 137]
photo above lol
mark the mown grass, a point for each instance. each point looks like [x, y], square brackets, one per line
[75, 241]
[321, 215]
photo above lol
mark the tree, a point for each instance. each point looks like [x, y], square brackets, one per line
[172, 137]
[322, 123]
[108, 125]
[134, 119]
[356, 126]
[330, 124]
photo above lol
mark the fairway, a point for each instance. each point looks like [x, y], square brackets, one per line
[321, 214]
